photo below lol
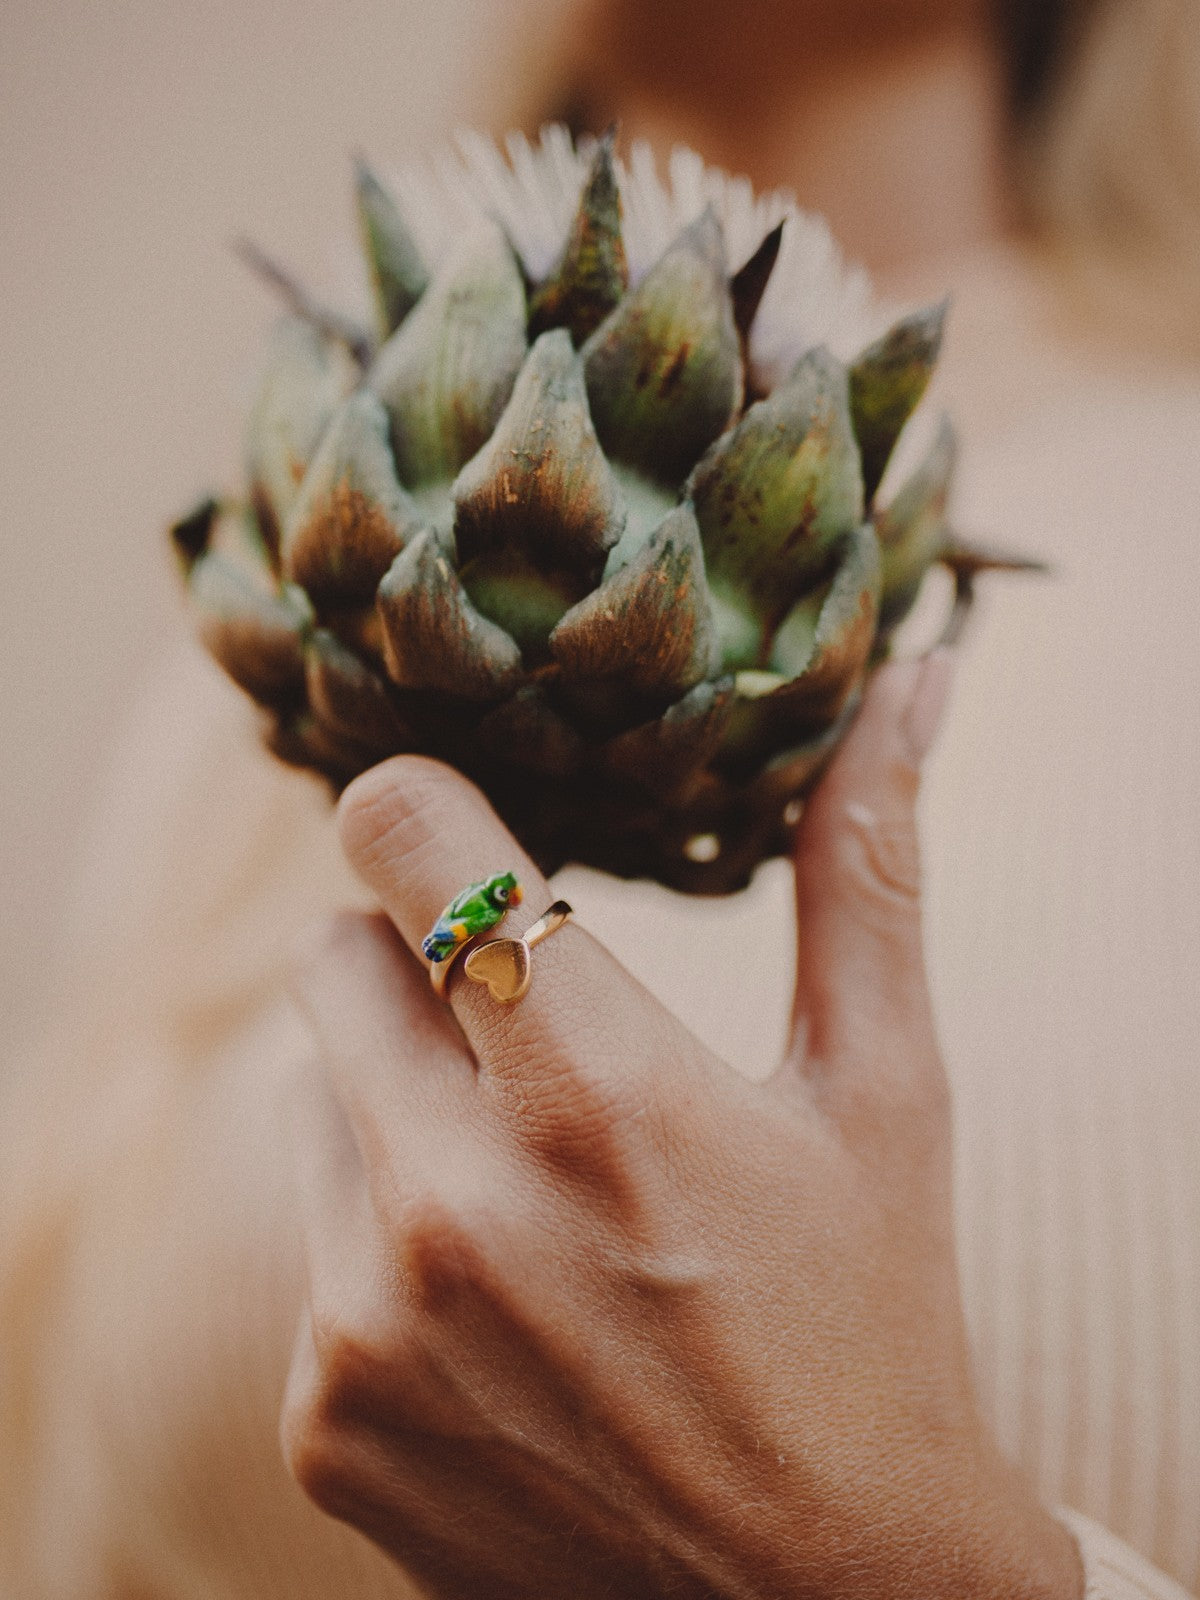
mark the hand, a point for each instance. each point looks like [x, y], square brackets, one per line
[592, 1316]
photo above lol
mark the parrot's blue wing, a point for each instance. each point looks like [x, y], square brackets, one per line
[443, 939]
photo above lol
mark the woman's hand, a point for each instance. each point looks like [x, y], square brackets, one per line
[592, 1316]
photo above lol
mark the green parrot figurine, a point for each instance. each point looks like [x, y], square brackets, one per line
[475, 909]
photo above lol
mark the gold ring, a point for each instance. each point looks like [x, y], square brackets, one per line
[502, 964]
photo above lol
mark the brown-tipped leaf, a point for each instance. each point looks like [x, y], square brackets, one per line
[664, 371]
[349, 699]
[665, 755]
[912, 529]
[257, 636]
[591, 274]
[649, 627]
[301, 386]
[538, 509]
[886, 384]
[352, 518]
[398, 275]
[774, 498]
[434, 638]
[446, 374]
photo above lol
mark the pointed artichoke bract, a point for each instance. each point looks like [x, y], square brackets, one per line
[398, 276]
[749, 282]
[538, 509]
[351, 518]
[301, 386]
[257, 635]
[350, 700]
[301, 739]
[776, 709]
[191, 533]
[527, 732]
[433, 636]
[886, 385]
[591, 275]
[787, 777]
[773, 498]
[648, 628]
[446, 374]
[664, 370]
[912, 529]
[666, 755]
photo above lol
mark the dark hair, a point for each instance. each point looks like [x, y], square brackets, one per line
[1035, 36]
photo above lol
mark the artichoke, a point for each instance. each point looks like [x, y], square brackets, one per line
[591, 513]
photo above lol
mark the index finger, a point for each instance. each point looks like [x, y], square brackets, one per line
[418, 833]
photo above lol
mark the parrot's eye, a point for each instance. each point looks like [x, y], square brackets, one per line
[502, 895]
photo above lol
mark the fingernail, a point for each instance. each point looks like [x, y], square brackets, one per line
[927, 705]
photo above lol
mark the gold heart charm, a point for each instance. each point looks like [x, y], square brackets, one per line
[503, 965]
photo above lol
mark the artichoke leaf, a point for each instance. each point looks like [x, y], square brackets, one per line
[540, 489]
[433, 636]
[398, 275]
[664, 370]
[749, 282]
[352, 518]
[230, 530]
[527, 732]
[912, 528]
[784, 707]
[648, 628]
[350, 700]
[303, 380]
[300, 739]
[591, 275]
[192, 533]
[257, 635]
[446, 374]
[791, 774]
[646, 504]
[666, 755]
[886, 385]
[774, 497]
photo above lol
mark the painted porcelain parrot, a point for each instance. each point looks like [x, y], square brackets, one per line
[477, 908]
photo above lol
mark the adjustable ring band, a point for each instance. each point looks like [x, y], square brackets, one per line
[439, 972]
[502, 964]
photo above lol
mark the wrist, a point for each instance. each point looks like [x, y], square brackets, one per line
[967, 1534]
[999, 1544]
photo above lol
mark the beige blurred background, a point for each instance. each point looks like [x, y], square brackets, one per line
[137, 138]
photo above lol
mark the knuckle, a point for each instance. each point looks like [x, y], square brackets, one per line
[353, 1364]
[315, 1451]
[446, 1253]
[877, 853]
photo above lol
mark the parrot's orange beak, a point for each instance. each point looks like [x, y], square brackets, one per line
[516, 895]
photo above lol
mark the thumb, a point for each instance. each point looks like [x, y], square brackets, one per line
[862, 1004]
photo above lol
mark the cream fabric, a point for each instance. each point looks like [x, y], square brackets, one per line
[1112, 1571]
[149, 1277]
